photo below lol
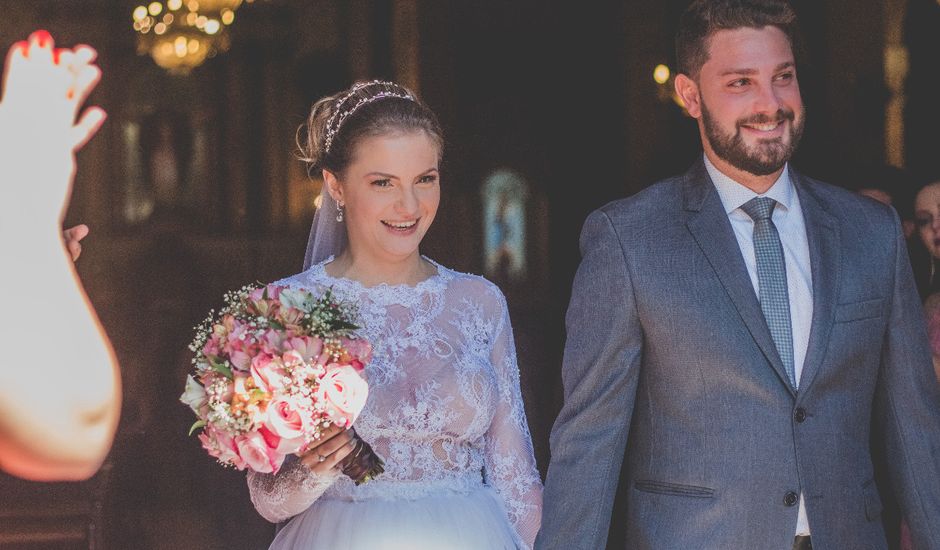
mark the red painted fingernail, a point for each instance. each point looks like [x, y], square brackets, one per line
[55, 55]
[43, 38]
[23, 46]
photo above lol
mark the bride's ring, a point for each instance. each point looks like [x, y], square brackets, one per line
[321, 458]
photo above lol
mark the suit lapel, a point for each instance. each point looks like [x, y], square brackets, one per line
[824, 257]
[709, 225]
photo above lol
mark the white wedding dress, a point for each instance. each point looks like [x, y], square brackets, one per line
[446, 414]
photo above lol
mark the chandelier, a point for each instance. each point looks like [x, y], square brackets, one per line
[181, 34]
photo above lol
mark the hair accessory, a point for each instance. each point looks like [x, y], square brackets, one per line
[339, 115]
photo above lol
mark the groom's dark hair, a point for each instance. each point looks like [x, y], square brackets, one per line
[705, 17]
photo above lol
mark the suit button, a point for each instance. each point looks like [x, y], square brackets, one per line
[800, 414]
[791, 498]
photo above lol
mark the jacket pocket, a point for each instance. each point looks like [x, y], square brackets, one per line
[675, 489]
[857, 311]
[873, 505]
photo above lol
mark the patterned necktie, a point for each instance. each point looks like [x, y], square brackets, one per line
[772, 279]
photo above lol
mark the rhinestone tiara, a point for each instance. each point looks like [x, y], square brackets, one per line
[340, 114]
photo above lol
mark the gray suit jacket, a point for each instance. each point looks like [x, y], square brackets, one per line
[669, 366]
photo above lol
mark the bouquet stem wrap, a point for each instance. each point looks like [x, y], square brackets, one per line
[362, 464]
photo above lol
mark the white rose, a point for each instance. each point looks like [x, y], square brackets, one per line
[194, 395]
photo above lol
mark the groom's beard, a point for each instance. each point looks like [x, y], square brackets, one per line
[767, 156]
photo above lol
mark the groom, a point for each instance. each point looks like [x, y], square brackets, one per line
[732, 331]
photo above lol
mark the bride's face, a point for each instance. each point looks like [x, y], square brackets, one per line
[391, 192]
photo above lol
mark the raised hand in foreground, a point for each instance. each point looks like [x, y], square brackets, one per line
[59, 380]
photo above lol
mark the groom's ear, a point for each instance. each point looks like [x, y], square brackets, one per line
[333, 186]
[688, 92]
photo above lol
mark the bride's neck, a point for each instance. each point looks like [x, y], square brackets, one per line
[368, 272]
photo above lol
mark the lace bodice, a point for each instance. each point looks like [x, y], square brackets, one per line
[445, 410]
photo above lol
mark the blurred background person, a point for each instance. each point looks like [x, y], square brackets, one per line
[927, 218]
[927, 224]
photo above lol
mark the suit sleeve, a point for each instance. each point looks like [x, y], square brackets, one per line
[910, 398]
[601, 368]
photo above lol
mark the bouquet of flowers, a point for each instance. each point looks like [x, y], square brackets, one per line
[275, 368]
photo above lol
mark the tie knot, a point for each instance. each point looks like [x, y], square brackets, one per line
[759, 208]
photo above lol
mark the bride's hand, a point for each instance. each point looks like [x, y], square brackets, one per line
[330, 450]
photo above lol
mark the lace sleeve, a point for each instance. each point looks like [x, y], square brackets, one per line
[292, 490]
[509, 458]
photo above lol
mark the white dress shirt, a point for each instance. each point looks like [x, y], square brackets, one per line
[788, 218]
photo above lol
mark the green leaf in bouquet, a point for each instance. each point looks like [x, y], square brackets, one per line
[196, 425]
[221, 369]
[274, 324]
[342, 325]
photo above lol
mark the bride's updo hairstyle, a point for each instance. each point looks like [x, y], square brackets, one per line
[339, 122]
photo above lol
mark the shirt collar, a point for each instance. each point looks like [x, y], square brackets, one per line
[733, 194]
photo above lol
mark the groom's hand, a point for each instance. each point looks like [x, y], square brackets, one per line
[325, 454]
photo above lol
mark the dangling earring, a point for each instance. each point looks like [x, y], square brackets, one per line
[339, 212]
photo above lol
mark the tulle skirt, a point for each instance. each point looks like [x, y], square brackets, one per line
[443, 520]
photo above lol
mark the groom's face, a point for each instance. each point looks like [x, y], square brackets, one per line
[751, 111]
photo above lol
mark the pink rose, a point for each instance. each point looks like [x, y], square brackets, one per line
[257, 455]
[221, 446]
[271, 440]
[267, 373]
[287, 424]
[344, 392]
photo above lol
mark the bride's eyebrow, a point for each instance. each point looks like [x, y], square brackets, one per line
[381, 175]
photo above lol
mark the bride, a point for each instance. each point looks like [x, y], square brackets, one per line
[445, 410]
